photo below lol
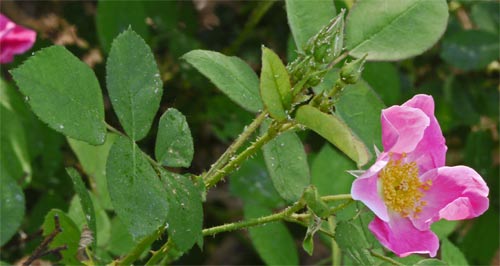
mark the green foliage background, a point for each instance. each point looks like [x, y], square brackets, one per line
[461, 72]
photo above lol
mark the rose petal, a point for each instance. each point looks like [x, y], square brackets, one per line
[365, 189]
[401, 237]
[403, 128]
[14, 39]
[456, 193]
[430, 152]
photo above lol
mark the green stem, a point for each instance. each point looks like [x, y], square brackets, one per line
[336, 197]
[114, 130]
[254, 19]
[140, 247]
[305, 216]
[163, 251]
[257, 221]
[338, 59]
[336, 253]
[382, 257]
[242, 138]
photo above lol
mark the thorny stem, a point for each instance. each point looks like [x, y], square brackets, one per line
[382, 257]
[163, 251]
[250, 129]
[287, 214]
[257, 221]
[254, 147]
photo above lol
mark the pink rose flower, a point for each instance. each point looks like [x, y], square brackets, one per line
[408, 188]
[14, 39]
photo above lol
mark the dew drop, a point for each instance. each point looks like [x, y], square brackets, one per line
[26, 98]
[61, 126]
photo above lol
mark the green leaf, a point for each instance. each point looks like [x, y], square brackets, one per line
[478, 153]
[273, 241]
[103, 225]
[451, 254]
[383, 77]
[114, 17]
[286, 162]
[351, 240]
[394, 30]
[275, 88]
[93, 161]
[230, 74]
[252, 183]
[333, 129]
[186, 212]
[329, 171]
[360, 108]
[443, 228]
[470, 50]
[69, 236]
[306, 18]
[479, 245]
[15, 162]
[430, 262]
[134, 83]
[11, 207]
[64, 93]
[227, 119]
[137, 194]
[314, 225]
[485, 15]
[85, 201]
[121, 241]
[174, 144]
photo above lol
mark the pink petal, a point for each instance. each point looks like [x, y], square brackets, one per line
[401, 237]
[14, 39]
[403, 128]
[456, 193]
[430, 152]
[422, 102]
[365, 189]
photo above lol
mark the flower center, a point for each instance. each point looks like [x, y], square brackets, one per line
[402, 189]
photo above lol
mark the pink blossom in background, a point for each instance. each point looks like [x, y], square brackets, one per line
[14, 39]
[408, 187]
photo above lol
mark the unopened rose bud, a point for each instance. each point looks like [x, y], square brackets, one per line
[351, 72]
[327, 44]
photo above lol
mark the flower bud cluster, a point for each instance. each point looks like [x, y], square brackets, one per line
[319, 52]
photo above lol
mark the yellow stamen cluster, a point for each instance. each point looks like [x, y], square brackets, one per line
[401, 187]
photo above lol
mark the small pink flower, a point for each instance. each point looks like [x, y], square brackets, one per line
[14, 39]
[408, 188]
